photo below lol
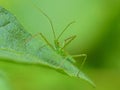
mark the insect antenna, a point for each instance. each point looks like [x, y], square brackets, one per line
[65, 29]
[48, 18]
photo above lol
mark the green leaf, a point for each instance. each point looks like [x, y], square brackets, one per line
[17, 45]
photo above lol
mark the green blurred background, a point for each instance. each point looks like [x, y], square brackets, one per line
[98, 34]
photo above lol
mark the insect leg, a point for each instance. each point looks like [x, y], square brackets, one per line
[42, 36]
[81, 55]
[48, 18]
[30, 38]
[68, 40]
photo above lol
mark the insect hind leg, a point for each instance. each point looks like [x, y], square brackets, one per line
[81, 55]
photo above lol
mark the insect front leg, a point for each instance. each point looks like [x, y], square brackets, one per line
[47, 42]
[30, 38]
[42, 36]
[81, 55]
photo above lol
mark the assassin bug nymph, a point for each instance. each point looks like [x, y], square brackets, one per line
[57, 45]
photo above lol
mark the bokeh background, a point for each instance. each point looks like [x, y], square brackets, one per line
[98, 35]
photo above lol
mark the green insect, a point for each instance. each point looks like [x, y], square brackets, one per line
[19, 46]
[58, 47]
